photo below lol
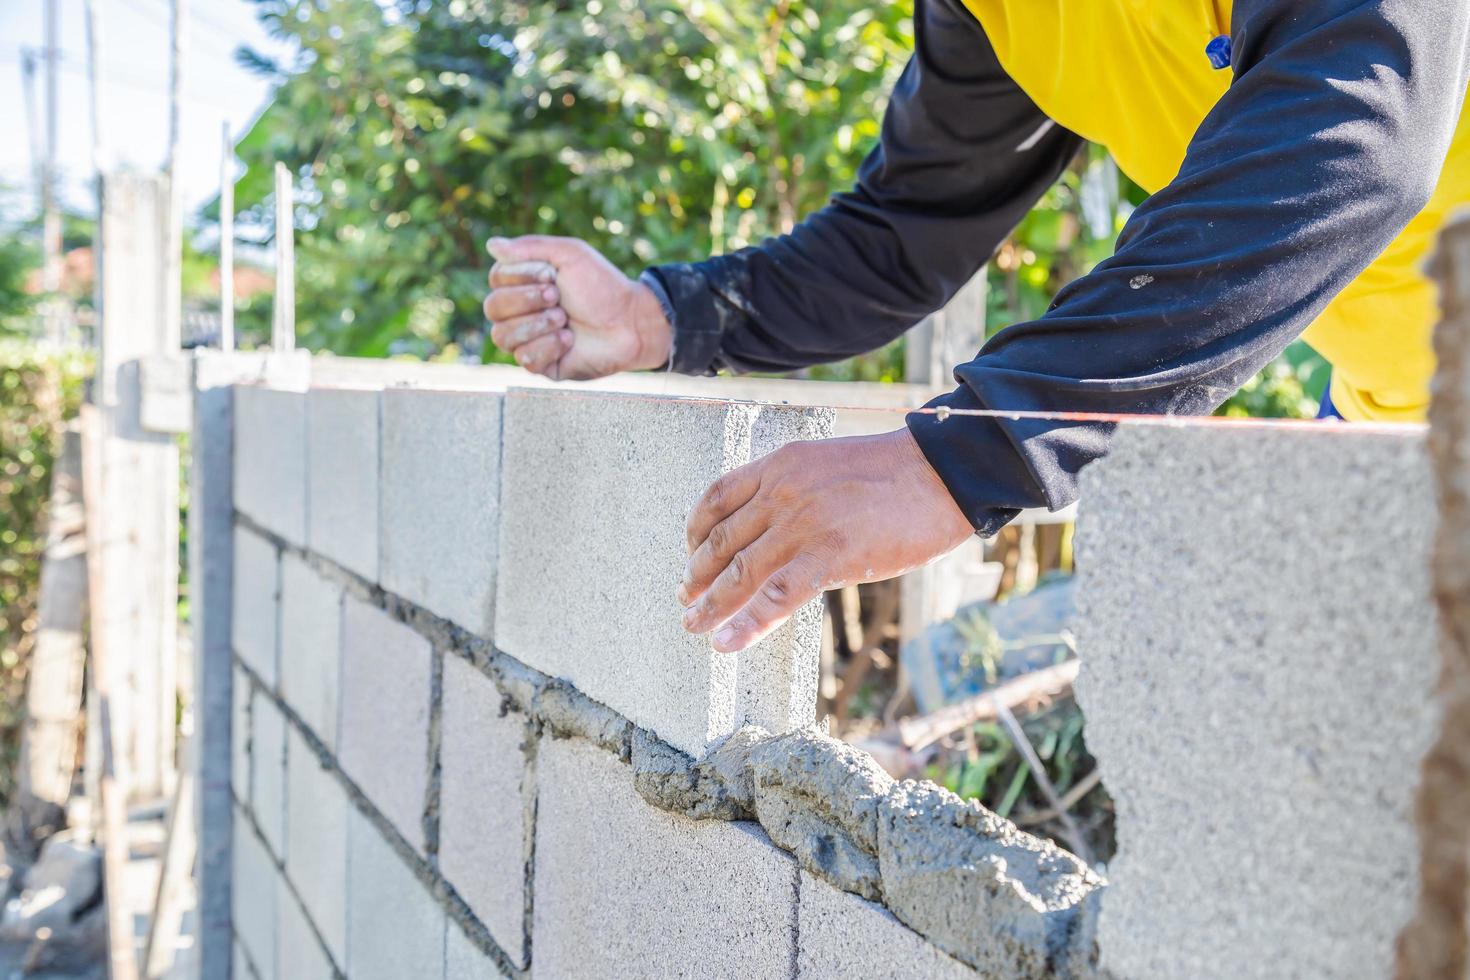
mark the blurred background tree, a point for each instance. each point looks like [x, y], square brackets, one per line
[661, 130]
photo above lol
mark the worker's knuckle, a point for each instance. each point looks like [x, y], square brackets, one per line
[720, 539]
[780, 588]
[716, 495]
[739, 568]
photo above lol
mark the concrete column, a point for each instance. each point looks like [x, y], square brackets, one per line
[139, 477]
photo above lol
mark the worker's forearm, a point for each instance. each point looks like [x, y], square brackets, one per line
[963, 156]
[1328, 142]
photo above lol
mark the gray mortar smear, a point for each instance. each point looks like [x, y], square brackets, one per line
[819, 798]
[970, 882]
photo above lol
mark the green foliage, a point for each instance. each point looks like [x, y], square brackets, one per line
[39, 390]
[658, 130]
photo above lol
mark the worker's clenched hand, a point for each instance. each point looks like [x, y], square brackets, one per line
[809, 517]
[562, 310]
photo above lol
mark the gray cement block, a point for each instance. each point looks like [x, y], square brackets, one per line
[254, 898]
[463, 960]
[268, 771]
[625, 890]
[484, 802]
[395, 929]
[316, 843]
[254, 623]
[596, 494]
[342, 477]
[843, 936]
[1256, 673]
[240, 737]
[270, 459]
[310, 648]
[386, 676]
[440, 502]
[299, 955]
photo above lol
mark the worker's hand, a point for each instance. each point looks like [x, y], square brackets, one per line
[562, 310]
[809, 517]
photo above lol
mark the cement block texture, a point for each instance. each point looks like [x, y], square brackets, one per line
[254, 898]
[843, 936]
[1256, 675]
[310, 647]
[254, 622]
[240, 736]
[484, 815]
[316, 843]
[440, 502]
[270, 459]
[386, 675]
[626, 890]
[342, 477]
[596, 494]
[268, 771]
[395, 928]
[299, 954]
[463, 960]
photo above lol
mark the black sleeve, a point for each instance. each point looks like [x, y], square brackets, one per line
[1329, 140]
[964, 155]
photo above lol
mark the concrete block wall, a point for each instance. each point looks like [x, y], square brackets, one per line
[465, 747]
[480, 754]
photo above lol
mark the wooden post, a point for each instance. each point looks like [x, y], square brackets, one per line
[948, 337]
[283, 323]
[138, 510]
[1436, 942]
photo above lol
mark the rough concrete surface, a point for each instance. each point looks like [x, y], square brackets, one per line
[395, 929]
[1256, 673]
[254, 897]
[299, 956]
[342, 477]
[463, 961]
[484, 804]
[240, 736]
[778, 677]
[594, 603]
[626, 890]
[387, 671]
[1005, 902]
[316, 843]
[820, 799]
[440, 502]
[254, 623]
[310, 646]
[270, 459]
[843, 936]
[268, 771]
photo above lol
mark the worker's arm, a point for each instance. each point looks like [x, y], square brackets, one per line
[1329, 140]
[964, 154]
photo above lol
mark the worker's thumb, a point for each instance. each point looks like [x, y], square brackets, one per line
[532, 248]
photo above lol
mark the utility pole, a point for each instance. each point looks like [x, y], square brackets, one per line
[50, 216]
[174, 257]
[94, 87]
[227, 241]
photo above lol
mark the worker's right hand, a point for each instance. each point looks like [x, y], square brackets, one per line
[561, 309]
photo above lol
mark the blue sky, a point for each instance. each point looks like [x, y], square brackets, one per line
[135, 74]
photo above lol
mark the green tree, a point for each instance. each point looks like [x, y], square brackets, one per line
[658, 130]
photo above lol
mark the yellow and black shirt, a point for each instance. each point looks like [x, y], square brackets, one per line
[1297, 193]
